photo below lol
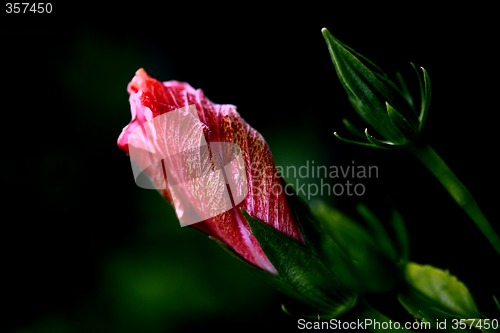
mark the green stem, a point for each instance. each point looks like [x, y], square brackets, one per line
[431, 159]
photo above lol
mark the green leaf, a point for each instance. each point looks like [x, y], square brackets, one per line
[378, 232]
[354, 252]
[436, 294]
[401, 232]
[426, 311]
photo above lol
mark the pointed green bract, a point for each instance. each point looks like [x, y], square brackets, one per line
[426, 98]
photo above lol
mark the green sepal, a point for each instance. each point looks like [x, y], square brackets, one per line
[434, 294]
[410, 133]
[302, 272]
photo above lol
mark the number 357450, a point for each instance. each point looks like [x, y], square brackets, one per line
[28, 8]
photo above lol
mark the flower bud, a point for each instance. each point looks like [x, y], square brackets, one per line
[207, 162]
[384, 105]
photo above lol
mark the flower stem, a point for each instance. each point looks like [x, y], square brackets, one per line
[431, 159]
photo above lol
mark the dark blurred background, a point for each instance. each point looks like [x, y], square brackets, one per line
[86, 250]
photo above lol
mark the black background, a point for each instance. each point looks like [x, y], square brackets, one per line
[66, 186]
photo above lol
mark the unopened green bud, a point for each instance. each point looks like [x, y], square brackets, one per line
[384, 105]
